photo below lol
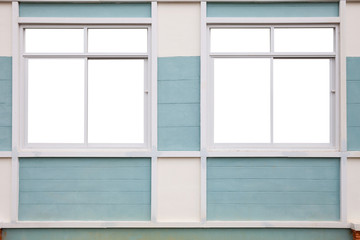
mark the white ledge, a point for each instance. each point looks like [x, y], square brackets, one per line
[209, 224]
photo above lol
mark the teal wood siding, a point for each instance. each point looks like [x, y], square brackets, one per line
[353, 103]
[273, 189]
[5, 103]
[177, 234]
[105, 10]
[84, 189]
[285, 9]
[179, 104]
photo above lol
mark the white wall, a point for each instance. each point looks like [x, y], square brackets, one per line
[352, 29]
[5, 189]
[353, 190]
[178, 195]
[178, 29]
[5, 29]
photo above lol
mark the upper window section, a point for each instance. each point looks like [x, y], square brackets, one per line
[257, 40]
[54, 40]
[304, 40]
[86, 87]
[240, 40]
[117, 40]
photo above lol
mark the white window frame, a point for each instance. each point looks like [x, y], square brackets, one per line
[86, 56]
[334, 86]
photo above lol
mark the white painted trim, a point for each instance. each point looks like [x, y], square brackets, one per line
[153, 82]
[203, 112]
[108, 21]
[342, 78]
[353, 154]
[5, 154]
[203, 78]
[182, 154]
[203, 190]
[210, 224]
[15, 114]
[271, 20]
[284, 153]
[343, 189]
[355, 226]
[168, 1]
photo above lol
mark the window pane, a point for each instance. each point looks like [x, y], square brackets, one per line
[242, 100]
[302, 101]
[54, 40]
[55, 101]
[304, 39]
[240, 40]
[116, 101]
[118, 40]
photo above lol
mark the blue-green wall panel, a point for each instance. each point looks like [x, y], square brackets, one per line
[287, 9]
[84, 189]
[5, 103]
[179, 91]
[181, 115]
[178, 68]
[105, 10]
[178, 234]
[179, 138]
[353, 102]
[179, 104]
[299, 189]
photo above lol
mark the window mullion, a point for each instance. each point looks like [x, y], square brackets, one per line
[272, 100]
[86, 104]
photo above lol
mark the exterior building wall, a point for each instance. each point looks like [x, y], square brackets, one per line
[100, 190]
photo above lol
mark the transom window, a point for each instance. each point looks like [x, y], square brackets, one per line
[86, 86]
[272, 86]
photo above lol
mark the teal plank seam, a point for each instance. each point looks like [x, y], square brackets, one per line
[353, 102]
[265, 189]
[179, 104]
[105, 10]
[108, 189]
[287, 9]
[5, 103]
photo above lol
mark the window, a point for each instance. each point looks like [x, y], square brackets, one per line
[86, 86]
[272, 86]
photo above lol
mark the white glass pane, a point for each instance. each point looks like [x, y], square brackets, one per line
[240, 40]
[302, 101]
[54, 40]
[242, 100]
[304, 39]
[56, 100]
[116, 101]
[117, 40]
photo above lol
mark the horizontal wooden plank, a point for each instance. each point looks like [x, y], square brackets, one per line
[84, 212]
[272, 185]
[102, 198]
[273, 162]
[179, 138]
[84, 185]
[179, 115]
[232, 172]
[84, 162]
[291, 198]
[264, 212]
[69, 173]
[177, 68]
[181, 91]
